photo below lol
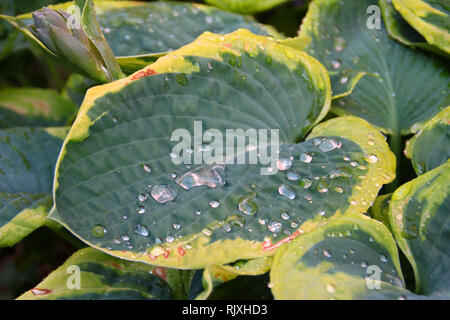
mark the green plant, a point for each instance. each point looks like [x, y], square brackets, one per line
[336, 100]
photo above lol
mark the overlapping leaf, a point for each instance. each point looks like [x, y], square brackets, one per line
[352, 257]
[116, 161]
[27, 161]
[419, 216]
[406, 87]
[91, 274]
[399, 29]
[430, 18]
[34, 107]
[246, 6]
[430, 147]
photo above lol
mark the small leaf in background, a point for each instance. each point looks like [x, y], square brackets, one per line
[408, 87]
[399, 29]
[352, 257]
[430, 147]
[21, 107]
[419, 218]
[430, 18]
[246, 6]
[27, 161]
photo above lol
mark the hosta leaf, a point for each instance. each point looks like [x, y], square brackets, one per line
[21, 214]
[431, 145]
[380, 209]
[244, 288]
[138, 32]
[419, 218]
[409, 86]
[340, 261]
[91, 274]
[33, 107]
[399, 29]
[430, 18]
[110, 157]
[214, 276]
[27, 161]
[246, 6]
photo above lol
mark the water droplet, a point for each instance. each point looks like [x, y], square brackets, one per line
[140, 209]
[208, 20]
[141, 230]
[142, 197]
[125, 237]
[262, 221]
[308, 196]
[274, 226]
[371, 158]
[98, 231]
[364, 264]
[321, 213]
[293, 175]
[306, 157]
[170, 239]
[329, 144]
[306, 183]
[285, 216]
[352, 251]
[284, 164]
[322, 187]
[339, 44]
[294, 225]
[176, 226]
[208, 175]
[163, 193]
[336, 64]
[383, 258]
[207, 232]
[247, 204]
[198, 212]
[343, 80]
[330, 288]
[287, 191]
[326, 253]
[147, 168]
[214, 203]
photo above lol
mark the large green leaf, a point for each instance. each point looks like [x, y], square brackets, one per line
[430, 18]
[34, 107]
[91, 274]
[111, 157]
[430, 147]
[408, 87]
[138, 32]
[340, 261]
[419, 216]
[27, 161]
[399, 29]
[246, 6]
